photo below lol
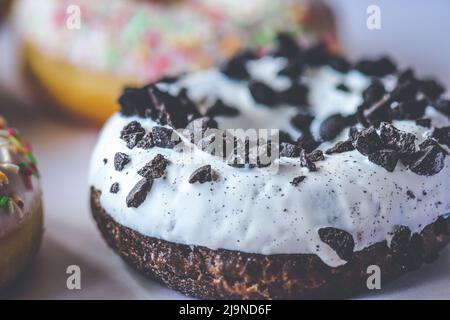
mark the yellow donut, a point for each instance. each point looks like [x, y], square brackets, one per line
[84, 94]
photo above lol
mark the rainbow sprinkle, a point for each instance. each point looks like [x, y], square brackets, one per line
[4, 200]
[16, 158]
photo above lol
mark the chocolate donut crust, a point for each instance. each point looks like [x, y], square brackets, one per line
[225, 274]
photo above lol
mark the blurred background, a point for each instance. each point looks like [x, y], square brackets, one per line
[413, 33]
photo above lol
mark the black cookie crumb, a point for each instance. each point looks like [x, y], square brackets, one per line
[287, 46]
[376, 68]
[332, 126]
[146, 142]
[121, 160]
[379, 112]
[306, 162]
[411, 109]
[139, 192]
[221, 109]
[342, 87]
[203, 174]
[405, 91]
[289, 150]
[353, 133]
[339, 63]
[154, 169]
[341, 146]
[115, 187]
[135, 101]
[189, 108]
[424, 122]
[235, 68]
[430, 161]
[374, 92]
[368, 141]
[296, 95]
[285, 137]
[197, 128]
[132, 133]
[410, 194]
[297, 180]
[388, 159]
[316, 155]
[169, 79]
[164, 137]
[406, 75]
[400, 141]
[442, 135]
[443, 105]
[307, 142]
[105, 161]
[339, 240]
[360, 114]
[431, 88]
[302, 121]
[430, 142]
[171, 110]
[317, 55]
[293, 69]
[263, 94]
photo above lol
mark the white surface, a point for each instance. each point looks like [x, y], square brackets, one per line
[414, 33]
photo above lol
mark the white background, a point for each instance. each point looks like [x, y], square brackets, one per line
[413, 32]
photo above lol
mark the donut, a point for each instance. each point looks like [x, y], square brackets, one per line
[123, 42]
[21, 216]
[357, 175]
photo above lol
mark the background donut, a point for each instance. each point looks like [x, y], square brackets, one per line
[126, 42]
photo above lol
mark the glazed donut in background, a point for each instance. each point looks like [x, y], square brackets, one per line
[128, 42]
[21, 214]
[363, 176]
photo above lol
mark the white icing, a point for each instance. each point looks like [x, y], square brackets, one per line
[252, 211]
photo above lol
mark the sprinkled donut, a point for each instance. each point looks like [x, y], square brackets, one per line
[360, 175]
[120, 42]
[21, 216]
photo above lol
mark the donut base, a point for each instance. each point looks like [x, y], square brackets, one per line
[19, 247]
[82, 93]
[226, 274]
